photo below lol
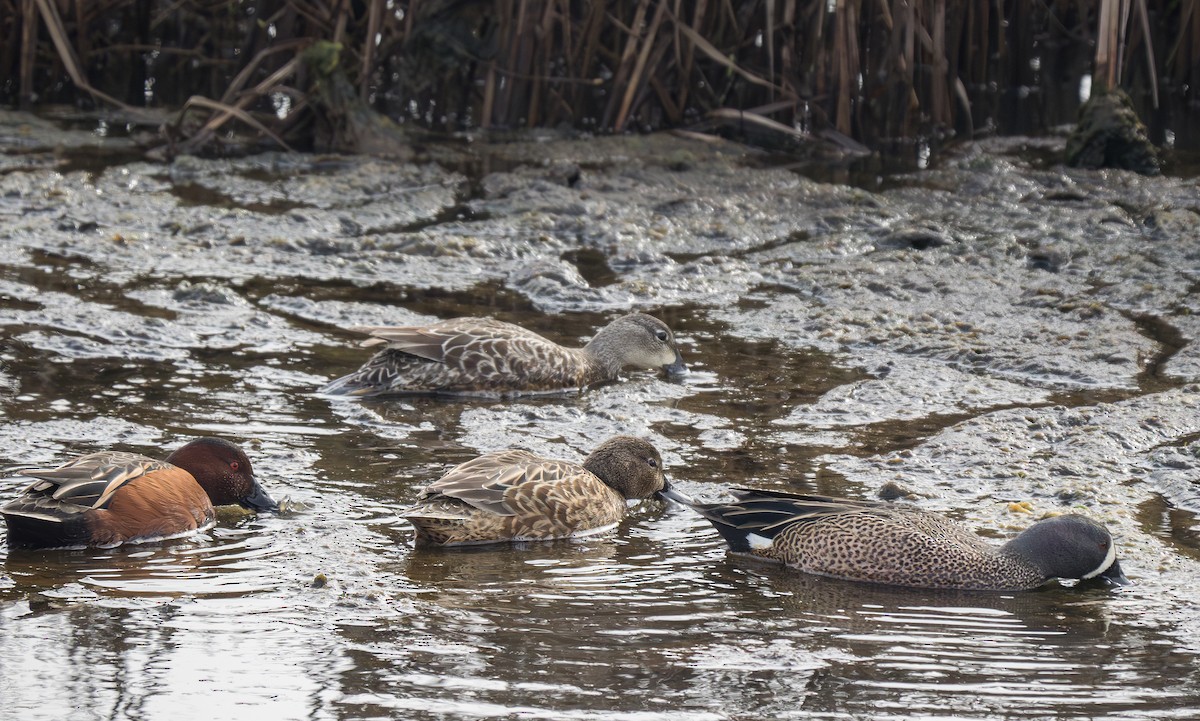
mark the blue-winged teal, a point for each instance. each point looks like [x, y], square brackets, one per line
[904, 546]
[482, 356]
[108, 498]
[514, 495]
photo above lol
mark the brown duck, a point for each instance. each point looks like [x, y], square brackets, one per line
[112, 497]
[904, 546]
[514, 495]
[482, 356]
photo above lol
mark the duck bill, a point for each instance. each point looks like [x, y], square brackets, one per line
[676, 367]
[668, 493]
[259, 500]
[1115, 576]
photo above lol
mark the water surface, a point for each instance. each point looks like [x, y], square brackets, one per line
[326, 611]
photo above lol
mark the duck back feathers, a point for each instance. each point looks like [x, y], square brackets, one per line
[514, 495]
[111, 497]
[103, 499]
[900, 545]
[483, 356]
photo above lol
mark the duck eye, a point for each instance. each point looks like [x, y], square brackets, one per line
[661, 335]
[652, 463]
[234, 465]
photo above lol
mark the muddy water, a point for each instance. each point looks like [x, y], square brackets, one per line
[142, 306]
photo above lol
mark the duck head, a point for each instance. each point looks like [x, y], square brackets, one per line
[628, 465]
[224, 472]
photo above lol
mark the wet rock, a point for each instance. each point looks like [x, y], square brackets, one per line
[1110, 135]
[206, 293]
[1074, 456]
[548, 282]
[1184, 364]
[894, 491]
[911, 389]
[1175, 473]
[343, 314]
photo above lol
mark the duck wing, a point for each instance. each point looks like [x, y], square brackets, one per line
[768, 512]
[86, 482]
[454, 341]
[765, 514]
[502, 483]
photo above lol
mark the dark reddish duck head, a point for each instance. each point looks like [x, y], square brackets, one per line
[224, 472]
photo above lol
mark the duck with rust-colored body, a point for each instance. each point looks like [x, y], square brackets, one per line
[107, 498]
[483, 356]
[904, 546]
[514, 495]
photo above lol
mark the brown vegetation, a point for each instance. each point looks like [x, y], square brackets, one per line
[882, 71]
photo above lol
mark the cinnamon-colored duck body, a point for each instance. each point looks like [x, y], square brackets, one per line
[108, 498]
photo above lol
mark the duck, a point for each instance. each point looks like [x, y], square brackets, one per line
[900, 545]
[487, 357]
[514, 495]
[108, 498]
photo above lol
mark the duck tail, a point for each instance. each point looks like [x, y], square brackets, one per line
[34, 530]
[347, 385]
[749, 523]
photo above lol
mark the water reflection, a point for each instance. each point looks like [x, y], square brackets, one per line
[151, 660]
[654, 621]
[222, 562]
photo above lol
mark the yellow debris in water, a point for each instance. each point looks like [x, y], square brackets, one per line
[232, 513]
[1020, 507]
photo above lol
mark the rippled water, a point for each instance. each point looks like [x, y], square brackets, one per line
[327, 611]
[652, 621]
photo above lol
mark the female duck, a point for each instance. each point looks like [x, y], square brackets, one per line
[514, 495]
[482, 356]
[903, 546]
[108, 498]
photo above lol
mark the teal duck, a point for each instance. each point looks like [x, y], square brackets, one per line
[904, 546]
[514, 495]
[482, 356]
[107, 498]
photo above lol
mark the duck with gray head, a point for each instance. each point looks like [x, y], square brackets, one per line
[487, 357]
[904, 546]
[514, 495]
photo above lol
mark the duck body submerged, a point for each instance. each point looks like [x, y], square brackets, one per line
[904, 546]
[483, 356]
[108, 498]
[514, 495]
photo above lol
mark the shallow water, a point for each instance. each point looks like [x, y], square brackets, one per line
[327, 611]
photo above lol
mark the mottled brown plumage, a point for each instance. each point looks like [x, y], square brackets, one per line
[514, 495]
[905, 546]
[110, 497]
[482, 356]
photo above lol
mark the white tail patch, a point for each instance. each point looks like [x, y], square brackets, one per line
[1108, 561]
[758, 543]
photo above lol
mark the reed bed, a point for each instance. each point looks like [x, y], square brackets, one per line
[876, 72]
